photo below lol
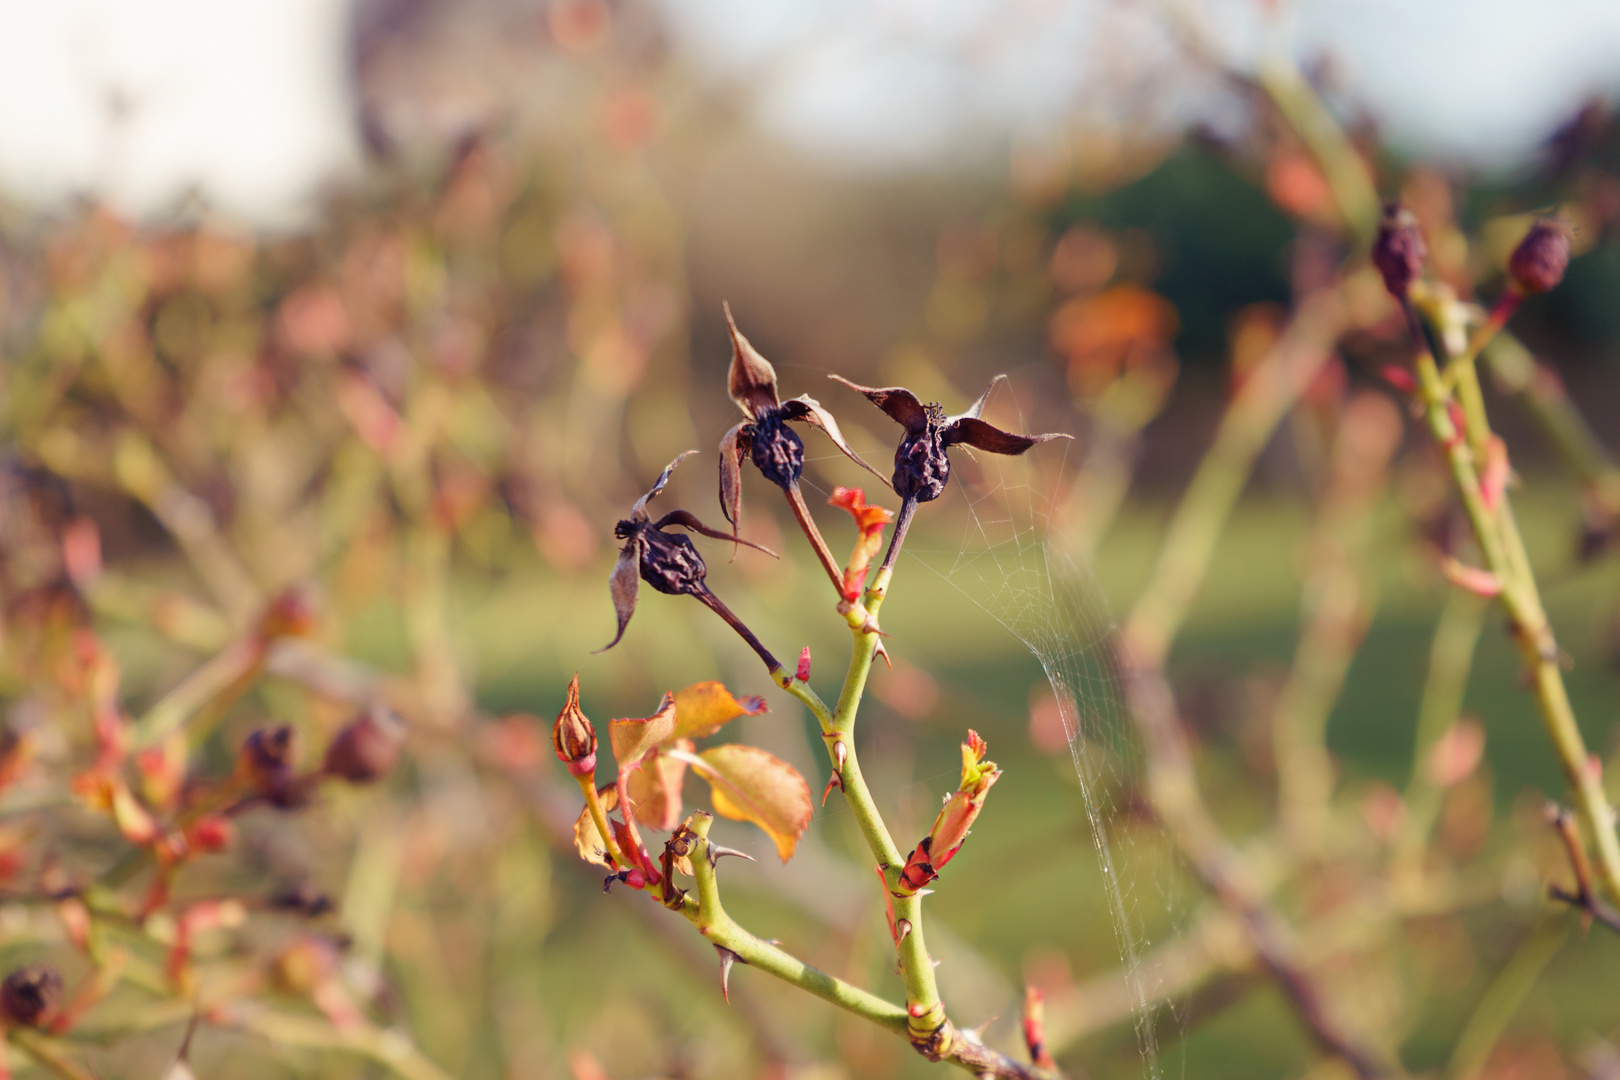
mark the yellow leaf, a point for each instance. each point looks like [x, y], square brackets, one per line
[750, 785]
[587, 838]
[655, 788]
[632, 738]
[703, 707]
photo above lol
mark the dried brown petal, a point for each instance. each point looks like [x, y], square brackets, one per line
[638, 512]
[902, 406]
[752, 379]
[624, 585]
[736, 443]
[971, 431]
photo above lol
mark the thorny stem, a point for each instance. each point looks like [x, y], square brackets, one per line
[1503, 551]
[801, 514]
[710, 917]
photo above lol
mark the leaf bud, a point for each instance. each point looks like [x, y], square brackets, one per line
[1398, 252]
[30, 994]
[367, 748]
[573, 737]
[1539, 262]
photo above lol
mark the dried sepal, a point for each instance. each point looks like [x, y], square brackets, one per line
[921, 466]
[807, 409]
[751, 380]
[623, 585]
[734, 446]
[749, 784]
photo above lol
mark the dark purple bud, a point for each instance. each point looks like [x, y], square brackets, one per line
[367, 748]
[30, 994]
[266, 761]
[921, 467]
[1539, 262]
[777, 450]
[670, 563]
[1399, 251]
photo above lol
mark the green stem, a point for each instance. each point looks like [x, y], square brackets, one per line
[47, 1053]
[710, 917]
[1503, 549]
[1507, 992]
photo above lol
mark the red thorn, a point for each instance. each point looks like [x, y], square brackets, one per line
[803, 673]
[1400, 379]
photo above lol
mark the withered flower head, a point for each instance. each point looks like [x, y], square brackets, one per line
[1398, 252]
[573, 737]
[921, 466]
[30, 994]
[1539, 262]
[666, 561]
[776, 449]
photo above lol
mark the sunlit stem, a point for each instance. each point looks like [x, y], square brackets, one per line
[714, 604]
[593, 801]
[801, 514]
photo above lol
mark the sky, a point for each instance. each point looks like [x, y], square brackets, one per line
[247, 103]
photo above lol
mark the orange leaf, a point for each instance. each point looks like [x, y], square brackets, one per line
[587, 838]
[703, 707]
[751, 785]
[632, 738]
[655, 788]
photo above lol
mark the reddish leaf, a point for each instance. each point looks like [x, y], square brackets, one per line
[632, 738]
[751, 785]
[655, 788]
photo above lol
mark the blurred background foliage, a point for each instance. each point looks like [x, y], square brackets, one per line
[432, 404]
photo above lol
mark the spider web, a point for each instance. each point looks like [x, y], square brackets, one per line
[1010, 560]
[1009, 565]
